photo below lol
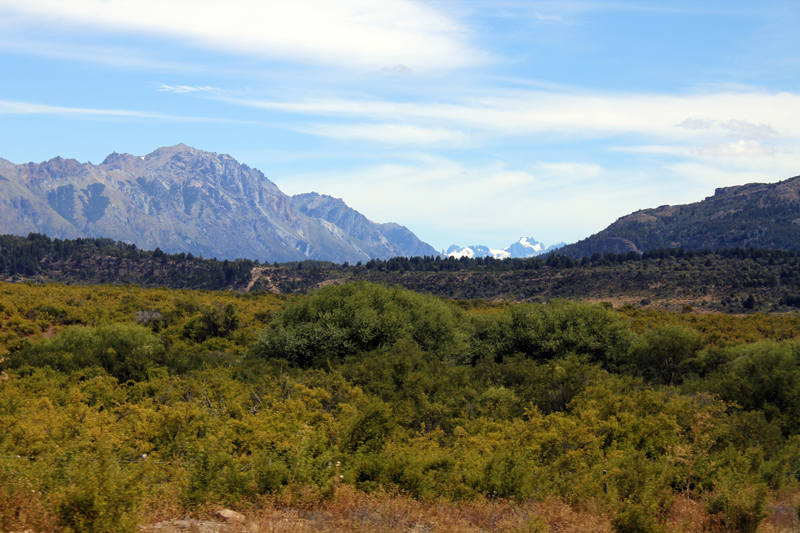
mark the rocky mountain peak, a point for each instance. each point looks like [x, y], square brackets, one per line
[181, 199]
[124, 162]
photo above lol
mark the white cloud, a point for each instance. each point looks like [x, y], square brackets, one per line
[15, 39]
[183, 89]
[742, 128]
[654, 149]
[396, 134]
[511, 179]
[747, 115]
[362, 34]
[568, 172]
[735, 149]
[25, 108]
[398, 70]
[697, 124]
[8, 107]
[735, 128]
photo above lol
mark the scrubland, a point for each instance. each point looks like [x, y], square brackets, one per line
[362, 407]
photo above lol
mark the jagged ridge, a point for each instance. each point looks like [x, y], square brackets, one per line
[186, 200]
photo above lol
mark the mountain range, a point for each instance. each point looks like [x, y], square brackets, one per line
[756, 215]
[180, 199]
[525, 247]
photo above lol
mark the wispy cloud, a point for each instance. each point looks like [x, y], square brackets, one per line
[737, 128]
[360, 34]
[746, 115]
[735, 149]
[397, 134]
[398, 70]
[26, 108]
[184, 89]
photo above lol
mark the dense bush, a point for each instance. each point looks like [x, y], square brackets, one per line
[340, 321]
[560, 328]
[126, 351]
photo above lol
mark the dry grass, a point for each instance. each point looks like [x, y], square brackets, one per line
[687, 516]
[352, 511]
[783, 514]
[22, 508]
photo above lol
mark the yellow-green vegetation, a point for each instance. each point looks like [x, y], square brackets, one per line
[116, 399]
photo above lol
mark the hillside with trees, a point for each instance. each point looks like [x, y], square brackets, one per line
[756, 215]
[727, 280]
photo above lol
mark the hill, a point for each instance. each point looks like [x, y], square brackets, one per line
[757, 215]
[732, 281]
[185, 200]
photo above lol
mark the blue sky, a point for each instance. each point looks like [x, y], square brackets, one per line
[469, 122]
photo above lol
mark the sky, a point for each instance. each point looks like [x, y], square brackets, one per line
[469, 122]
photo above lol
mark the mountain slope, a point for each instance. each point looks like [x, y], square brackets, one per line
[377, 240]
[758, 215]
[186, 200]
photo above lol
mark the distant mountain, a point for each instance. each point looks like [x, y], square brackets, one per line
[757, 215]
[185, 200]
[525, 247]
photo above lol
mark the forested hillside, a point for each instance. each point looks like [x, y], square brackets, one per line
[729, 280]
[92, 261]
[122, 406]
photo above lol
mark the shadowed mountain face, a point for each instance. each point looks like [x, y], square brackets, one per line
[186, 200]
[757, 215]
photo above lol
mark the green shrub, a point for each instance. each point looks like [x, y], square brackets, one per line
[344, 320]
[664, 355]
[126, 351]
[560, 328]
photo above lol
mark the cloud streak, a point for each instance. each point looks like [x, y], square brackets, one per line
[735, 149]
[360, 34]
[393, 134]
[746, 116]
[185, 89]
[8, 107]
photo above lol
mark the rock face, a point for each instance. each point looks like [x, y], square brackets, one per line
[757, 215]
[185, 200]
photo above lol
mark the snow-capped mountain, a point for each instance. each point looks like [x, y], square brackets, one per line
[525, 247]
